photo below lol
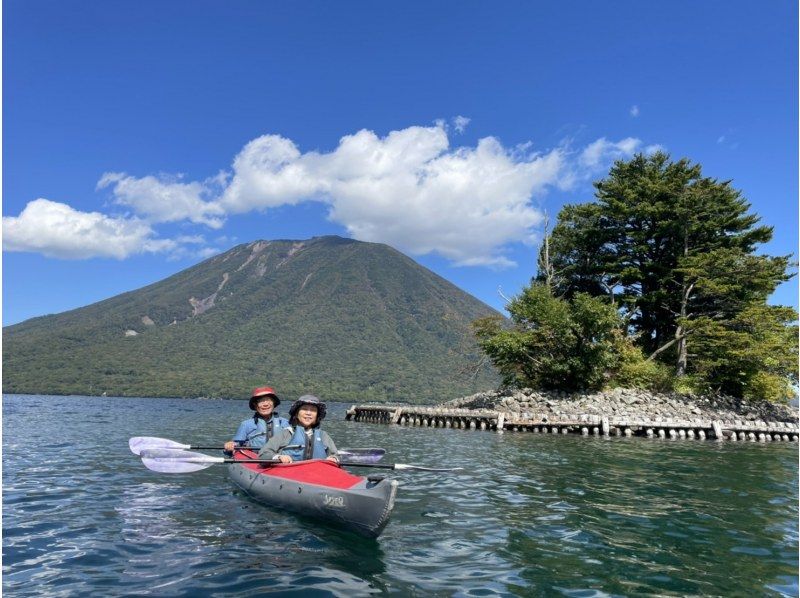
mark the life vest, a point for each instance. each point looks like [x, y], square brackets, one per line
[263, 430]
[307, 450]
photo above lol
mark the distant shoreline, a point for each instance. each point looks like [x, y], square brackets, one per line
[104, 396]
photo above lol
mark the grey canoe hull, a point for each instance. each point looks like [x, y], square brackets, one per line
[363, 508]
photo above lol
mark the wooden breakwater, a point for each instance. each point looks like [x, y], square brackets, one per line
[584, 424]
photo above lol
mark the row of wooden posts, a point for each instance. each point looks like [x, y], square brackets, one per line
[585, 424]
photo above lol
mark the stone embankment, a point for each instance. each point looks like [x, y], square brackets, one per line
[622, 412]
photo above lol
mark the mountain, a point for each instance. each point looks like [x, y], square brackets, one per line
[343, 319]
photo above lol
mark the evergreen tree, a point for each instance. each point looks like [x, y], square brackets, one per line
[675, 252]
[553, 342]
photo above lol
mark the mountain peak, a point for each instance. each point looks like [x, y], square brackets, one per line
[344, 318]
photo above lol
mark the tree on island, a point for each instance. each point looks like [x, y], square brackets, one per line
[672, 254]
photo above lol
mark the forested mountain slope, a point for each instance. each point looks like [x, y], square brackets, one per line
[340, 318]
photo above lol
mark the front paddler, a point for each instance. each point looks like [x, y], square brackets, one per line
[305, 440]
[255, 431]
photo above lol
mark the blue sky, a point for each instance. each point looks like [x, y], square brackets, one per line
[140, 137]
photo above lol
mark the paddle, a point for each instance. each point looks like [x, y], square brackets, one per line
[138, 444]
[182, 461]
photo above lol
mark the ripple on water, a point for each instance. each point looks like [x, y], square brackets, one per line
[530, 515]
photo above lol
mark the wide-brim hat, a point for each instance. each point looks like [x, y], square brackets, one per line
[309, 400]
[260, 393]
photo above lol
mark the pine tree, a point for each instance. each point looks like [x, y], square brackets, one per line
[676, 252]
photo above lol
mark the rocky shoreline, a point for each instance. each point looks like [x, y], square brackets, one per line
[527, 403]
[619, 412]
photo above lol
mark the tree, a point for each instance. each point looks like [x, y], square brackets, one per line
[553, 342]
[752, 353]
[674, 250]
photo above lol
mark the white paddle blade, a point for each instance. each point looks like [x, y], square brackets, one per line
[358, 455]
[181, 455]
[177, 461]
[173, 465]
[138, 444]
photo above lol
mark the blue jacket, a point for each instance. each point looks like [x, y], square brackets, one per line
[315, 449]
[255, 433]
[320, 447]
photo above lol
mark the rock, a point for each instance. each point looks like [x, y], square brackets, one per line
[627, 402]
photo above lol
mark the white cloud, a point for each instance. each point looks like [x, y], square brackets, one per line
[192, 253]
[191, 240]
[268, 173]
[634, 111]
[460, 123]
[409, 189]
[464, 205]
[207, 252]
[57, 230]
[164, 199]
[728, 140]
[652, 149]
[599, 154]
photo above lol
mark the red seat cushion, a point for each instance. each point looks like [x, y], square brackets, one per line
[319, 472]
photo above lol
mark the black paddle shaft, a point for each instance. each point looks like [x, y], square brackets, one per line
[347, 463]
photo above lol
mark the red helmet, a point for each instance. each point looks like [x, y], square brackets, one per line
[263, 391]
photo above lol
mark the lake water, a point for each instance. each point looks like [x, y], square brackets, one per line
[531, 515]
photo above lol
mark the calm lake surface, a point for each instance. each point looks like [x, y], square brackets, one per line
[531, 515]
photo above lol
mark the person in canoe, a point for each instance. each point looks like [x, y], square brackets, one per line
[304, 440]
[255, 431]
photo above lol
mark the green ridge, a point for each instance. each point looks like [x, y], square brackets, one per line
[344, 319]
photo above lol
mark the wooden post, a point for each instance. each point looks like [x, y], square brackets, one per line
[396, 415]
[501, 418]
[717, 426]
[605, 425]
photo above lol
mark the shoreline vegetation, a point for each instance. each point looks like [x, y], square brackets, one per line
[658, 284]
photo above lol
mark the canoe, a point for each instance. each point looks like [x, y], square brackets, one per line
[320, 489]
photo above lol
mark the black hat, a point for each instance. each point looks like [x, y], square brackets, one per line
[309, 400]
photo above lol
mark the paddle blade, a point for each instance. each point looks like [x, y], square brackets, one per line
[173, 465]
[138, 444]
[362, 455]
[177, 461]
[180, 455]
